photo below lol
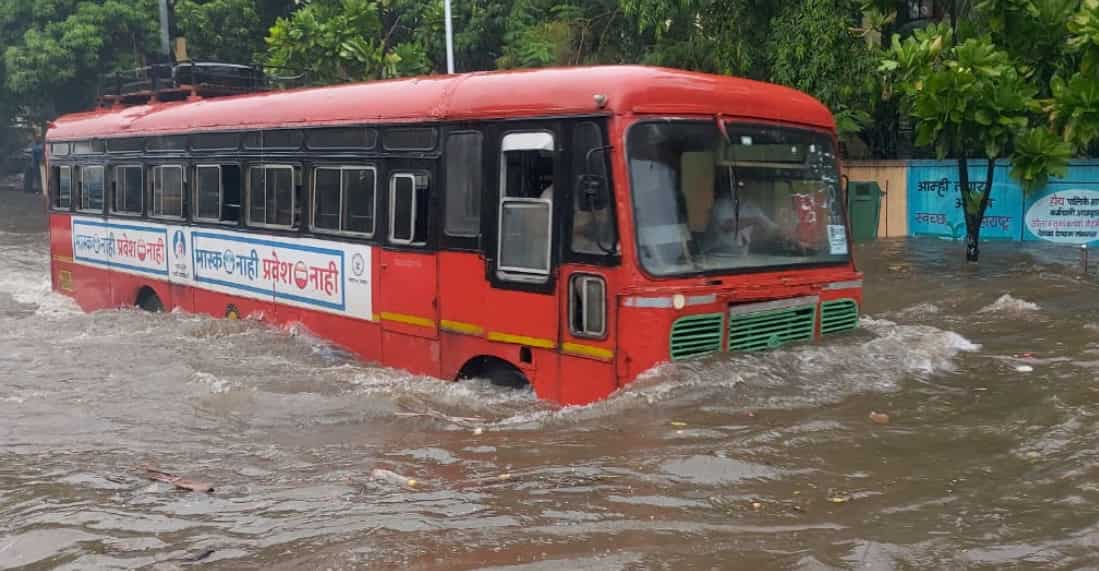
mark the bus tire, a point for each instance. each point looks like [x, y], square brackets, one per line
[497, 371]
[148, 300]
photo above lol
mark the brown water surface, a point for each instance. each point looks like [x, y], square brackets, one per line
[764, 461]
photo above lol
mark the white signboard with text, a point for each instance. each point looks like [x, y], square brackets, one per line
[315, 274]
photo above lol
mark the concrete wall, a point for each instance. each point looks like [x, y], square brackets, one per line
[892, 177]
[923, 198]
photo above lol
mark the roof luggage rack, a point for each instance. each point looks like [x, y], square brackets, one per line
[181, 81]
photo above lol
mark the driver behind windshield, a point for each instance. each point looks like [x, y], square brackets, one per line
[738, 222]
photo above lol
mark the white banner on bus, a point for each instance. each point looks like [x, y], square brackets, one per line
[315, 274]
[124, 246]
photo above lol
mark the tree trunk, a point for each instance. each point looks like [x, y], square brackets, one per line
[976, 215]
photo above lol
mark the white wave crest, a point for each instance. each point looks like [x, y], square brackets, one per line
[1008, 304]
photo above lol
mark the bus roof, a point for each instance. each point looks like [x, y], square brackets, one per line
[482, 95]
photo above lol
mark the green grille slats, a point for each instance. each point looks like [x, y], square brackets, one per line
[770, 328]
[838, 316]
[696, 335]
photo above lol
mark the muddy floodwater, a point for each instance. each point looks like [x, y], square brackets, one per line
[989, 458]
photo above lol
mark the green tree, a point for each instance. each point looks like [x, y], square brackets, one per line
[1075, 106]
[353, 40]
[543, 33]
[969, 100]
[55, 65]
[727, 37]
[221, 30]
[813, 47]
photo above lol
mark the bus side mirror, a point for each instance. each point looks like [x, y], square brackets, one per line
[593, 192]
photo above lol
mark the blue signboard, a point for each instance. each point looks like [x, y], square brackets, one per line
[1066, 211]
[935, 200]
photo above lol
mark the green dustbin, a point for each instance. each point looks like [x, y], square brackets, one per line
[863, 209]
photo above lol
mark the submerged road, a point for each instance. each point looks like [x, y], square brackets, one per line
[989, 458]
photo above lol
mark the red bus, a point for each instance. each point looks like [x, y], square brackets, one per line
[566, 228]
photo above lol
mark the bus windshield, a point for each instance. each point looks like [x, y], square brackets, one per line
[710, 197]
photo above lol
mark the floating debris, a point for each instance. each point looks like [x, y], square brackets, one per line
[177, 481]
[392, 477]
[879, 417]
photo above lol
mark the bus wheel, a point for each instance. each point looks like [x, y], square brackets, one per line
[149, 301]
[499, 372]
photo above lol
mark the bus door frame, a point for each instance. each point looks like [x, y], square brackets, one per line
[523, 314]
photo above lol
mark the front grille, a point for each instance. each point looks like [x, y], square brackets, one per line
[838, 316]
[770, 325]
[696, 335]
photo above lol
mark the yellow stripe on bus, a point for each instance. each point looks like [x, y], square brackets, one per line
[521, 340]
[460, 327]
[587, 351]
[408, 319]
[66, 259]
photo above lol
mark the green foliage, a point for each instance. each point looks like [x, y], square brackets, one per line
[543, 33]
[55, 65]
[812, 48]
[349, 40]
[1032, 32]
[728, 37]
[1039, 154]
[1084, 36]
[966, 99]
[1075, 109]
[221, 30]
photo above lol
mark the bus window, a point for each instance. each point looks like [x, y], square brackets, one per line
[91, 188]
[592, 224]
[526, 205]
[408, 203]
[409, 139]
[463, 184]
[341, 138]
[215, 142]
[231, 193]
[125, 145]
[62, 193]
[285, 139]
[128, 189]
[167, 191]
[343, 200]
[208, 193]
[271, 196]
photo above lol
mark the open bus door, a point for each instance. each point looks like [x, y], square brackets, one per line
[523, 231]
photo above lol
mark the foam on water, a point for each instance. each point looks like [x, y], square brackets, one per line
[805, 375]
[1008, 304]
